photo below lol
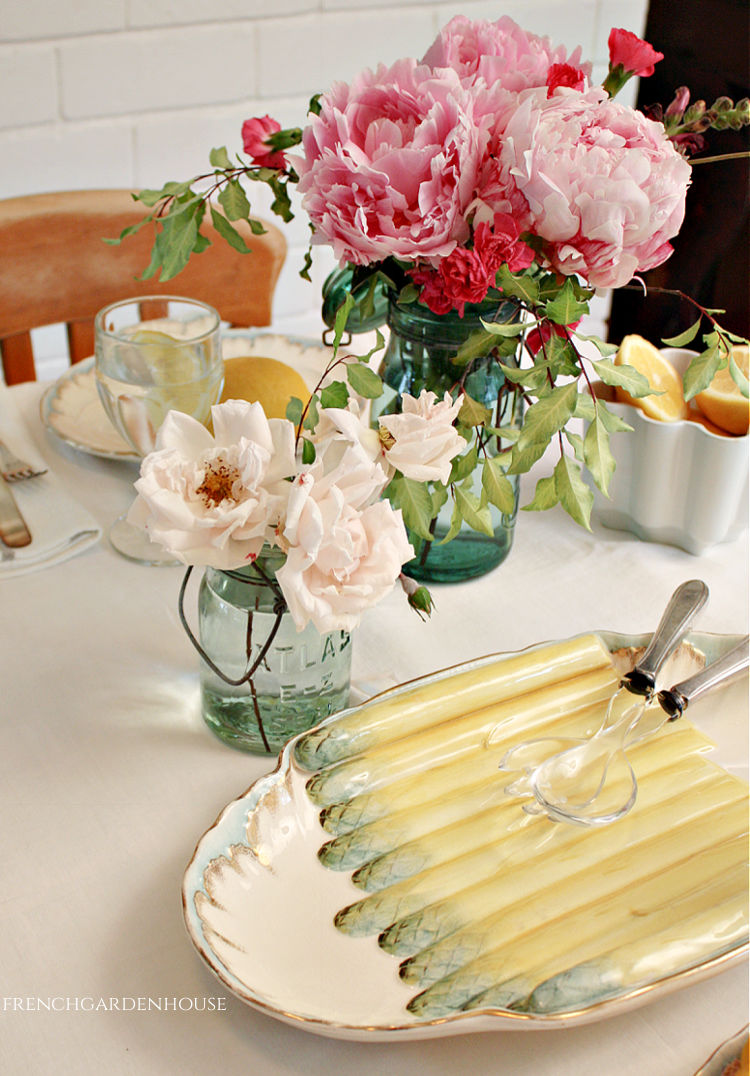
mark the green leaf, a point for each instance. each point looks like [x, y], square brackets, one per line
[476, 346]
[171, 189]
[455, 527]
[523, 286]
[473, 413]
[524, 457]
[364, 381]
[597, 455]
[308, 451]
[219, 158]
[342, 316]
[627, 377]
[738, 377]
[507, 328]
[228, 232]
[181, 242]
[505, 433]
[256, 226]
[612, 423]
[415, 502]
[576, 443]
[700, 372]
[477, 516]
[294, 410]
[497, 486]
[202, 242]
[312, 417]
[130, 230]
[572, 492]
[334, 395]
[548, 415]
[545, 496]
[408, 294]
[565, 308]
[561, 357]
[439, 497]
[281, 204]
[463, 465]
[233, 201]
[683, 338]
[602, 347]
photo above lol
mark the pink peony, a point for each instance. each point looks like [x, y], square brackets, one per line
[604, 186]
[500, 53]
[254, 134]
[635, 55]
[390, 165]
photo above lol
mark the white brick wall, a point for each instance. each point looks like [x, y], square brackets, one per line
[129, 93]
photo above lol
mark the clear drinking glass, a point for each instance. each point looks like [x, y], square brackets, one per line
[153, 355]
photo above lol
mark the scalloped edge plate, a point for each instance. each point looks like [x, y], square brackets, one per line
[71, 409]
[301, 969]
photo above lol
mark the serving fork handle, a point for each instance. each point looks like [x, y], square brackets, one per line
[676, 699]
[686, 601]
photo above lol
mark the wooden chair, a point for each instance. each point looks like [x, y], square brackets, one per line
[55, 268]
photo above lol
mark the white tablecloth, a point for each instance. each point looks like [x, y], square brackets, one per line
[108, 777]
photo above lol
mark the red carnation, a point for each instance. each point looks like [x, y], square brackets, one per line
[635, 56]
[565, 75]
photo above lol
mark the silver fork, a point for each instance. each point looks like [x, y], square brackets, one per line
[14, 469]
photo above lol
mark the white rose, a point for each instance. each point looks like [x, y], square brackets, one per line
[422, 440]
[341, 432]
[340, 559]
[215, 500]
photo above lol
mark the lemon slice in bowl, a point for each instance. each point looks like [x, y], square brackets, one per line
[722, 402]
[266, 381]
[670, 406]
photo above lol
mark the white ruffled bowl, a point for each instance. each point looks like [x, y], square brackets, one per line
[676, 482]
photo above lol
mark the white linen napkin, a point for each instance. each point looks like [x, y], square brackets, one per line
[60, 527]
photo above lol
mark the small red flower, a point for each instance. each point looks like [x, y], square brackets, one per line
[636, 56]
[500, 245]
[565, 75]
[539, 336]
[255, 133]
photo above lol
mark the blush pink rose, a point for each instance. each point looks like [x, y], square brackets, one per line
[390, 165]
[254, 134]
[422, 441]
[635, 55]
[499, 53]
[604, 186]
[340, 560]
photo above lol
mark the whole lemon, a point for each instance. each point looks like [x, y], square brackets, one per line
[266, 381]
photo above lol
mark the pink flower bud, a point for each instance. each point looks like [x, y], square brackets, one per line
[255, 134]
[680, 102]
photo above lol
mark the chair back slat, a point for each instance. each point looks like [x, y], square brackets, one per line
[18, 358]
[55, 268]
[80, 340]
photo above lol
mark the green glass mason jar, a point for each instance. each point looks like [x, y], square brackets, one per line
[419, 354]
[262, 681]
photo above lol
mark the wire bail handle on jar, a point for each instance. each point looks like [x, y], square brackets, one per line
[279, 608]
